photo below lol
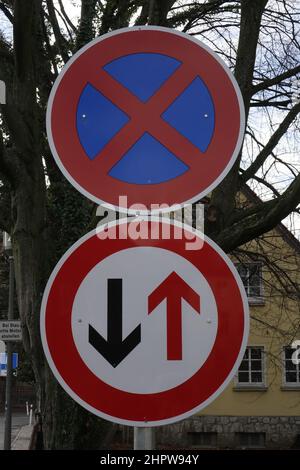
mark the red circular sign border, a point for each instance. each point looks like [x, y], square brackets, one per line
[117, 405]
[84, 173]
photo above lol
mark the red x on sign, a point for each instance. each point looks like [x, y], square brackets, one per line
[145, 117]
[147, 113]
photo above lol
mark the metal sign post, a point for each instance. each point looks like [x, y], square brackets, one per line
[9, 350]
[144, 439]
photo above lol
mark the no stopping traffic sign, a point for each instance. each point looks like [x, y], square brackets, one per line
[148, 113]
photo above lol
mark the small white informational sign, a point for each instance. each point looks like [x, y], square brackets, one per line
[10, 330]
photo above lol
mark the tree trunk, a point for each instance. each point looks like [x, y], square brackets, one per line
[35, 248]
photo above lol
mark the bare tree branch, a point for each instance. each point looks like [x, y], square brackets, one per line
[67, 18]
[265, 183]
[260, 219]
[48, 45]
[6, 12]
[271, 104]
[194, 13]
[275, 80]
[61, 42]
[269, 147]
[224, 196]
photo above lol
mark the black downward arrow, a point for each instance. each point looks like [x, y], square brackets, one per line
[114, 349]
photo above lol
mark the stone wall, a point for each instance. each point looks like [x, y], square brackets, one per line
[277, 432]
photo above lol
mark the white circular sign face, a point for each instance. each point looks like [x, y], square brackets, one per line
[142, 269]
[143, 331]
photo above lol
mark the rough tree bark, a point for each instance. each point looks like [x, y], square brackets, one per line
[66, 425]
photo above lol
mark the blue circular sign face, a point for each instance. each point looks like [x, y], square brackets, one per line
[143, 113]
[148, 161]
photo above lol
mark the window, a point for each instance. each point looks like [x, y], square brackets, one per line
[291, 370]
[251, 275]
[202, 439]
[254, 440]
[251, 370]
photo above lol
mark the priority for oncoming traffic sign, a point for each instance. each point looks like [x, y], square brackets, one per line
[144, 332]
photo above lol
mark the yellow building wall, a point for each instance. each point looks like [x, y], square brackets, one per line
[274, 324]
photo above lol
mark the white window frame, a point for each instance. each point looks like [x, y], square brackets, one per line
[289, 385]
[254, 385]
[258, 299]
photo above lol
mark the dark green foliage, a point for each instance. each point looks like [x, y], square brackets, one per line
[69, 215]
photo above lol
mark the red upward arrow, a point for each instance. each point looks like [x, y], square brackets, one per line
[174, 288]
